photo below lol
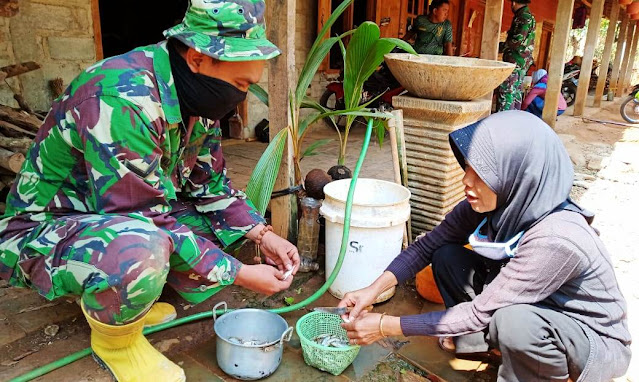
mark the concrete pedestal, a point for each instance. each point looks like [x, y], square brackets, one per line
[434, 176]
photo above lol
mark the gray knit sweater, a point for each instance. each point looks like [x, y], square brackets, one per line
[560, 263]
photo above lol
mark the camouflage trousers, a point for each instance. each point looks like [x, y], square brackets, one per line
[118, 265]
[510, 92]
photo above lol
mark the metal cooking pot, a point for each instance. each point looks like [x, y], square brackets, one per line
[249, 342]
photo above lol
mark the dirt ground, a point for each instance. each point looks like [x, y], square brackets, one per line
[606, 159]
[34, 332]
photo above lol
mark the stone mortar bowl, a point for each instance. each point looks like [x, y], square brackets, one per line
[445, 77]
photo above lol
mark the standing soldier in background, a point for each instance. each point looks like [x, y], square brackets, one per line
[518, 49]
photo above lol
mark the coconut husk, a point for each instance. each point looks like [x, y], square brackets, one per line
[314, 183]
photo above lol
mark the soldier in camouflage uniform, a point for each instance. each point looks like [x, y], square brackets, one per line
[125, 187]
[518, 49]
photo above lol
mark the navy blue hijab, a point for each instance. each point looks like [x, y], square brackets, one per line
[524, 162]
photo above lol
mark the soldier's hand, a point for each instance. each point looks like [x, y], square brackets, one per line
[262, 278]
[281, 252]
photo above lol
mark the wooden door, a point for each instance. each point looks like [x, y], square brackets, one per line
[472, 28]
[387, 15]
[544, 46]
[454, 14]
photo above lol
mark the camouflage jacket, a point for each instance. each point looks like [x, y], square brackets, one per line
[520, 41]
[115, 143]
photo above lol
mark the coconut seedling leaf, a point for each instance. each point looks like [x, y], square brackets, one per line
[260, 185]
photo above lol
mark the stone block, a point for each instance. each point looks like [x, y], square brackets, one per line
[451, 113]
[64, 3]
[71, 48]
[65, 70]
[444, 154]
[427, 174]
[427, 161]
[420, 175]
[438, 200]
[51, 17]
[421, 188]
[414, 129]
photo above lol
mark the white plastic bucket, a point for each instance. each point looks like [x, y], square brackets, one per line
[380, 209]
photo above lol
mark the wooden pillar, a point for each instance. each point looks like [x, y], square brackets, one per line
[490, 34]
[563, 23]
[626, 57]
[97, 30]
[631, 61]
[492, 28]
[605, 61]
[594, 25]
[281, 80]
[616, 67]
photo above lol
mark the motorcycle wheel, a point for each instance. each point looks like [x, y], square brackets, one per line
[569, 91]
[630, 110]
[330, 101]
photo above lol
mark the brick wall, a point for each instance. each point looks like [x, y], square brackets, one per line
[57, 34]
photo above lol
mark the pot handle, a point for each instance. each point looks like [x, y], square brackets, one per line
[223, 303]
[286, 336]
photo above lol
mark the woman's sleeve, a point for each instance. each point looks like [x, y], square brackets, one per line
[542, 265]
[455, 229]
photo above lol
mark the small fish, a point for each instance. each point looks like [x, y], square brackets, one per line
[331, 340]
[239, 341]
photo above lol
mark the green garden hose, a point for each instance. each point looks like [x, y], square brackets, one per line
[199, 316]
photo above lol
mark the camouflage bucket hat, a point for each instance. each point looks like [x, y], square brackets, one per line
[228, 30]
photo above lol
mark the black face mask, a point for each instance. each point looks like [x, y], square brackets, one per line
[200, 95]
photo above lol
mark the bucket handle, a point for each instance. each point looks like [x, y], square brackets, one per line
[286, 336]
[223, 303]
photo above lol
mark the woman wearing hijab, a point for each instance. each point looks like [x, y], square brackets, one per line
[537, 290]
[534, 101]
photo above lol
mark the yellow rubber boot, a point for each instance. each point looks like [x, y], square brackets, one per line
[125, 352]
[160, 313]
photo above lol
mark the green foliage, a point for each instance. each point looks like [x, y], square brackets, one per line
[363, 56]
[310, 150]
[262, 181]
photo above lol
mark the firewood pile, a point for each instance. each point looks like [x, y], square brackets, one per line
[18, 128]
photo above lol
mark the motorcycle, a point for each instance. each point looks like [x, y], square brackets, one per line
[630, 106]
[569, 85]
[380, 88]
[570, 81]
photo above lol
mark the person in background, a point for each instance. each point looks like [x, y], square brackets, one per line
[535, 99]
[434, 31]
[517, 49]
[537, 291]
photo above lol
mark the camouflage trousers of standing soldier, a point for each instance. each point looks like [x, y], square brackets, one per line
[118, 265]
[510, 92]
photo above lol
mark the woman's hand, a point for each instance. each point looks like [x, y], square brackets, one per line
[281, 252]
[366, 329]
[360, 299]
[262, 278]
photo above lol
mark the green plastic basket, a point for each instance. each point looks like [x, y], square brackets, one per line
[330, 359]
